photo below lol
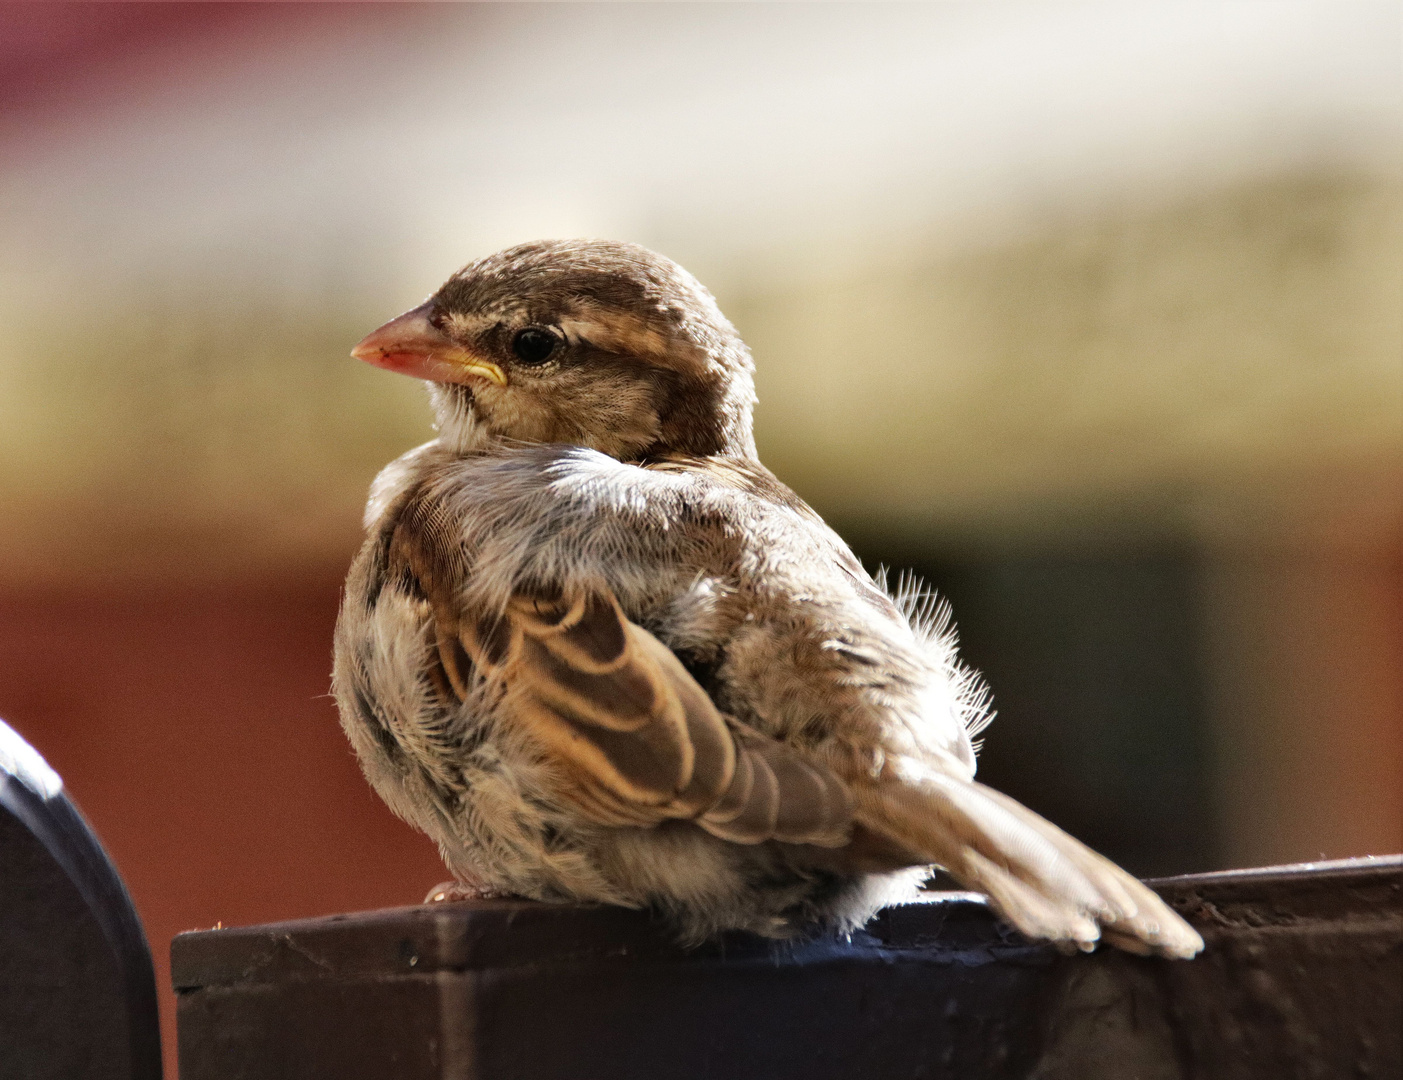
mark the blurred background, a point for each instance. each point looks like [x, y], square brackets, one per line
[1090, 314]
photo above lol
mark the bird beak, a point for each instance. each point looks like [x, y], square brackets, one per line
[412, 345]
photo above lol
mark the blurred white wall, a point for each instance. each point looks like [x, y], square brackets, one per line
[993, 259]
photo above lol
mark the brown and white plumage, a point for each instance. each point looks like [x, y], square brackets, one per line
[598, 652]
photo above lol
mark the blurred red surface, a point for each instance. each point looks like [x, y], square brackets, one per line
[194, 730]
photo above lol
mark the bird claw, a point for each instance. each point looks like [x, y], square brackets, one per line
[452, 891]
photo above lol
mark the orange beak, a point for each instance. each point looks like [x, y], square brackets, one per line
[411, 345]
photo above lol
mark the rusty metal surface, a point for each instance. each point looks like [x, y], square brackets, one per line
[1302, 977]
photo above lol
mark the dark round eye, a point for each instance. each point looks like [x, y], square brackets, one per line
[534, 346]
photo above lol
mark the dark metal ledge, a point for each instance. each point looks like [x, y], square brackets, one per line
[1302, 977]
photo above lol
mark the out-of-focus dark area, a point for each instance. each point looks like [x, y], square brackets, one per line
[1090, 314]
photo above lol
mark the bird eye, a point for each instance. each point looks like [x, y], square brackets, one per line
[533, 345]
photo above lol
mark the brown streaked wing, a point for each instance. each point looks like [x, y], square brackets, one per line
[613, 702]
[641, 738]
[779, 794]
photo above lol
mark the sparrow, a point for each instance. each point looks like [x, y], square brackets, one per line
[599, 653]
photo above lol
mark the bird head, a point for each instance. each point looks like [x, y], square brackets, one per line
[587, 342]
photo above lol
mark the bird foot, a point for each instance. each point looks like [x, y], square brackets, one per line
[452, 891]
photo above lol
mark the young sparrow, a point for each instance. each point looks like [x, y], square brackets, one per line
[598, 652]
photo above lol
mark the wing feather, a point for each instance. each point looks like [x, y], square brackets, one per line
[614, 706]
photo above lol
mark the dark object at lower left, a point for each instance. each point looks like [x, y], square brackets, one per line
[77, 990]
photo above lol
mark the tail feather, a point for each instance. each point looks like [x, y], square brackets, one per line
[1034, 913]
[1040, 879]
[1140, 913]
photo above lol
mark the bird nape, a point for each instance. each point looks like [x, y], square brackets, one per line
[598, 652]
